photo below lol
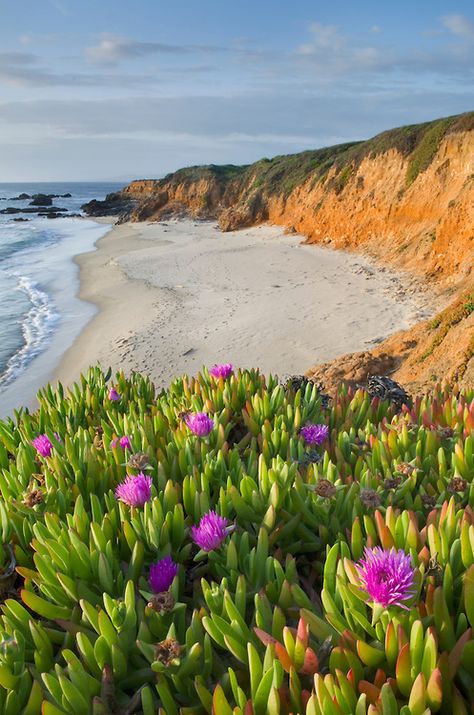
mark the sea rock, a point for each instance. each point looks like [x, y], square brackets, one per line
[21, 197]
[64, 196]
[33, 210]
[21, 219]
[42, 200]
[115, 204]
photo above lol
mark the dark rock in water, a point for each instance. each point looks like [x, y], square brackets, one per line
[42, 200]
[51, 214]
[21, 219]
[64, 196]
[387, 389]
[43, 209]
[75, 216]
[10, 210]
[21, 197]
[115, 204]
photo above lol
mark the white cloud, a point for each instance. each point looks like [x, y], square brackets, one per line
[459, 25]
[112, 49]
[323, 37]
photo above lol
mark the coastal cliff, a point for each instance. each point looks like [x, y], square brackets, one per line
[406, 197]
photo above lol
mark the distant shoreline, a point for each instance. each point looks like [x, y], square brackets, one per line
[174, 296]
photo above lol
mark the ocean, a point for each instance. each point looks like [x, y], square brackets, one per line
[40, 314]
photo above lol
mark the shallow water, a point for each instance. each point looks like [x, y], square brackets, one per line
[40, 314]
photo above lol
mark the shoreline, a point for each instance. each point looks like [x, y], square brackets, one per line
[175, 295]
[61, 285]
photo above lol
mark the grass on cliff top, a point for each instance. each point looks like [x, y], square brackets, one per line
[284, 173]
[220, 172]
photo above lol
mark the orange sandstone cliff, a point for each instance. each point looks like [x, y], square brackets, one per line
[406, 197]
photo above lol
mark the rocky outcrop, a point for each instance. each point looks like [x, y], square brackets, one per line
[117, 204]
[42, 200]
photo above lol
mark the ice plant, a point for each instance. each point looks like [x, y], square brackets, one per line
[314, 434]
[224, 370]
[114, 395]
[162, 574]
[387, 575]
[211, 532]
[199, 423]
[43, 445]
[134, 491]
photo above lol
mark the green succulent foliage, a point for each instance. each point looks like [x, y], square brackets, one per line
[275, 619]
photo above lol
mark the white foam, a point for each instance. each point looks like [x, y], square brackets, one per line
[37, 328]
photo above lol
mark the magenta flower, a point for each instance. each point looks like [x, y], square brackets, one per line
[134, 491]
[43, 445]
[211, 532]
[224, 370]
[314, 434]
[114, 395]
[125, 442]
[199, 423]
[387, 575]
[162, 574]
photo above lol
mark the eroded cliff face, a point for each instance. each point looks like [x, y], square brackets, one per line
[426, 227]
[413, 213]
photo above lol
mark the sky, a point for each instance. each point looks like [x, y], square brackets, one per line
[122, 89]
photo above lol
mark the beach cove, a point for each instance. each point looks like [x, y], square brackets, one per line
[176, 295]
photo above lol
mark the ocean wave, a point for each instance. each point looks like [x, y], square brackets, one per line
[37, 327]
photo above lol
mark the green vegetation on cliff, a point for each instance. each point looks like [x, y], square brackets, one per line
[284, 173]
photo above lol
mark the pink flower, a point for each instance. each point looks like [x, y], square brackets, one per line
[162, 574]
[124, 442]
[43, 445]
[314, 434]
[134, 491]
[223, 371]
[387, 575]
[199, 423]
[114, 395]
[211, 532]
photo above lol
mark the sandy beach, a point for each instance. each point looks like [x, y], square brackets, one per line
[174, 296]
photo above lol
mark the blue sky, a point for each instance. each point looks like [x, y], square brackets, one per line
[102, 89]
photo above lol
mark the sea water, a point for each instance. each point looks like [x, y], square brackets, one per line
[40, 313]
